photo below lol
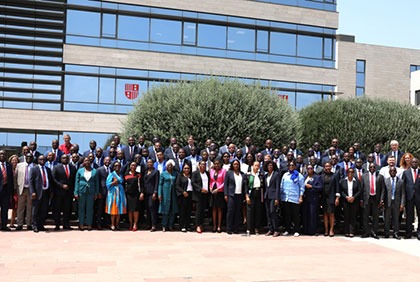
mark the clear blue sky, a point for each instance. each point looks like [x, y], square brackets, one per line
[381, 22]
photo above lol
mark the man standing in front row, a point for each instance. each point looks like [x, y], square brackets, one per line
[64, 176]
[412, 194]
[40, 187]
[394, 202]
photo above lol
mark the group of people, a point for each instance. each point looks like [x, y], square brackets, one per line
[278, 191]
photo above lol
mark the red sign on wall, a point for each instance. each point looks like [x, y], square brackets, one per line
[131, 91]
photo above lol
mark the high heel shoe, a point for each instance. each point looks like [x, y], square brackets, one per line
[134, 228]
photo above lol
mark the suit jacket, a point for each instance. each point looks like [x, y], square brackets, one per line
[197, 183]
[58, 154]
[343, 165]
[36, 181]
[356, 173]
[20, 176]
[130, 157]
[223, 149]
[272, 190]
[329, 191]
[220, 182]
[36, 155]
[177, 167]
[229, 183]
[151, 182]
[379, 183]
[83, 186]
[87, 152]
[344, 189]
[315, 191]
[51, 165]
[365, 166]
[10, 179]
[409, 183]
[60, 178]
[102, 176]
[399, 198]
[188, 150]
[181, 184]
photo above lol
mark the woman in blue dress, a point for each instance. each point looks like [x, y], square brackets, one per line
[116, 202]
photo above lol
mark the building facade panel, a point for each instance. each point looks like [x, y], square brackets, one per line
[387, 70]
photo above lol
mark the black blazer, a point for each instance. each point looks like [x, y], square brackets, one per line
[344, 189]
[60, 178]
[102, 176]
[409, 183]
[10, 179]
[272, 191]
[129, 158]
[181, 184]
[35, 181]
[229, 184]
[330, 190]
[248, 189]
[197, 184]
[184, 161]
[151, 182]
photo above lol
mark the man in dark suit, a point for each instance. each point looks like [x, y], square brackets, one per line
[190, 144]
[345, 164]
[99, 210]
[40, 187]
[412, 193]
[64, 177]
[54, 148]
[371, 159]
[224, 148]
[92, 148]
[395, 152]
[25, 151]
[32, 149]
[121, 159]
[394, 201]
[247, 144]
[268, 147]
[292, 148]
[131, 149]
[157, 146]
[373, 195]
[50, 162]
[181, 161]
[357, 153]
[379, 158]
[6, 188]
[171, 153]
[99, 156]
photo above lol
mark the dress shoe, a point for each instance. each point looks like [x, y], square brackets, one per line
[373, 234]
[269, 233]
[351, 235]
[285, 233]
[89, 228]
[56, 228]
[418, 237]
[257, 232]
[229, 232]
[35, 229]
[407, 237]
[163, 229]
[153, 229]
[276, 234]
[29, 227]
[19, 227]
[365, 236]
[184, 230]
[67, 228]
[134, 228]
[99, 227]
[42, 228]
[5, 228]
[386, 236]
[396, 236]
[219, 230]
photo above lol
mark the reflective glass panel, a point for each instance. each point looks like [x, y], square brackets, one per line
[306, 99]
[81, 88]
[283, 43]
[133, 28]
[242, 39]
[83, 23]
[189, 35]
[165, 31]
[309, 46]
[109, 25]
[213, 36]
[262, 41]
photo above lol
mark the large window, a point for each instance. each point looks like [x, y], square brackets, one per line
[360, 77]
[202, 34]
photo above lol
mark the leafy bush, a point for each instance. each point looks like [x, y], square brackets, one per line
[361, 120]
[213, 108]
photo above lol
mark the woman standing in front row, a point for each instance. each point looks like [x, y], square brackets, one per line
[149, 194]
[201, 183]
[86, 188]
[184, 190]
[116, 202]
[234, 191]
[313, 189]
[350, 191]
[167, 196]
[217, 182]
[254, 194]
[133, 184]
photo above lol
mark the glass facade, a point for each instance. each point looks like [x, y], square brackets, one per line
[328, 5]
[360, 77]
[104, 89]
[200, 34]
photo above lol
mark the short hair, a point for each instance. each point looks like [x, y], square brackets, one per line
[393, 142]
[172, 162]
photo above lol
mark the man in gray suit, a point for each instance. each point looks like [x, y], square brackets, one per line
[394, 202]
[373, 195]
[22, 189]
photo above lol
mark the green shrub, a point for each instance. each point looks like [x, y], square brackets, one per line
[361, 120]
[213, 108]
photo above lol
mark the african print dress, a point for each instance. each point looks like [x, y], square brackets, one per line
[116, 202]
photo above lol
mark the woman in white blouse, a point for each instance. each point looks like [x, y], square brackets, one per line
[350, 191]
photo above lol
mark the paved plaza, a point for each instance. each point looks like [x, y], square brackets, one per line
[175, 256]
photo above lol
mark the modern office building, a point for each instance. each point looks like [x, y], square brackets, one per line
[78, 66]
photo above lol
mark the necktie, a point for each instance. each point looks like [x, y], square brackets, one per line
[131, 152]
[372, 184]
[180, 164]
[347, 167]
[44, 177]
[67, 171]
[377, 160]
[360, 174]
[415, 174]
[4, 173]
[393, 188]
